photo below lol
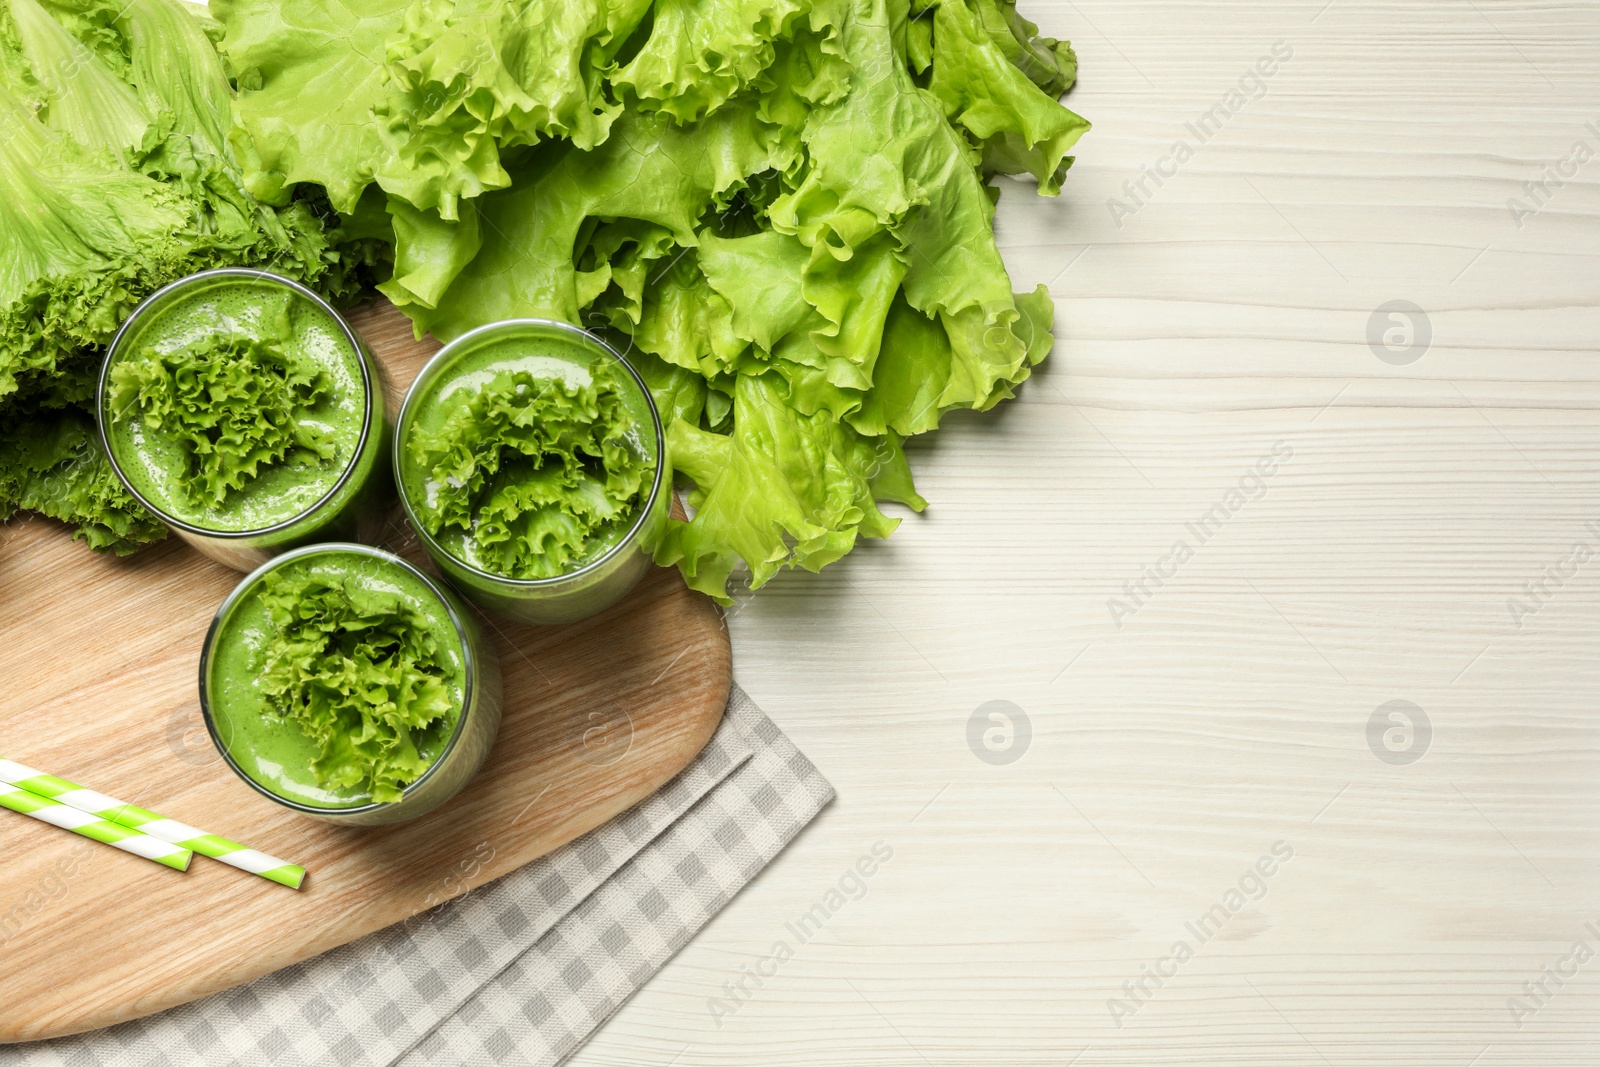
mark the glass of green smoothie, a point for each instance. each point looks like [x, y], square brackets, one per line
[532, 463]
[243, 411]
[344, 683]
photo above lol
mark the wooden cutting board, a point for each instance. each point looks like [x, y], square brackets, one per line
[98, 660]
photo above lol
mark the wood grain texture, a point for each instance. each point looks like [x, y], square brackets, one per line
[1230, 711]
[99, 659]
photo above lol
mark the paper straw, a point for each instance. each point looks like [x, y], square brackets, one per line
[152, 824]
[69, 818]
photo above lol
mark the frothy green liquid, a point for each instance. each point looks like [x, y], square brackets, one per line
[153, 461]
[455, 387]
[273, 751]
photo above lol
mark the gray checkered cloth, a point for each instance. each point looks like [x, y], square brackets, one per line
[523, 970]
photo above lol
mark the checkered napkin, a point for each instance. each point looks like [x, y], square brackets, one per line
[523, 970]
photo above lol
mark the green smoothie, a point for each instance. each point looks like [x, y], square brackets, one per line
[528, 457]
[235, 406]
[335, 678]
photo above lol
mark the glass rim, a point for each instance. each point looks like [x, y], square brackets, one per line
[367, 387]
[433, 368]
[469, 659]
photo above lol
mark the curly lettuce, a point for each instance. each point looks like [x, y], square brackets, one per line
[55, 466]
[981, 88]
[783, 489]
[232, 403]
[362, 675]
[536, 473]
[701, 53]
[650, 169]
[116, 179]
[86, 240]
[308, 75]
[156, 142]
[779, 208]
[468, 78]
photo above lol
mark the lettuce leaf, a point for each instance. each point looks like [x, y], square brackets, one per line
[783, 489]
[535, 472]
[309, 74]
[702, 52]
[93, 23]
[468, 78]
[1050, 64]
[233, 403]
[975, 77]
[54, 465]
[358, 672]
[685, 322]
[85, 240]
[885, 158]
[429, 252]
[929, 367]
[678, 393]
[649, 169]
[83, 99]
[424, 95]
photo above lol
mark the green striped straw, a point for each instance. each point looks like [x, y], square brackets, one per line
[91, 826]
[152, 824]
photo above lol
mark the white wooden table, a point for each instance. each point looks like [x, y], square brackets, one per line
[1028, 904]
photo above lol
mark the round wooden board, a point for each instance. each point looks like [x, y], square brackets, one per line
[99, 659]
